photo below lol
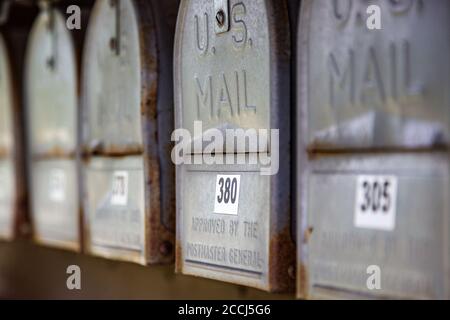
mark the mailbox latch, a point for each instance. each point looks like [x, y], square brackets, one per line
[221, 12]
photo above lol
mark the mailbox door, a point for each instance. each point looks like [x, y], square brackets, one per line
[385, 88]
[7, 194]
[126, 125]
[7, 182]
[52, 107]
[401, 235]
[115, 206]
[55, 203]
[232, 72]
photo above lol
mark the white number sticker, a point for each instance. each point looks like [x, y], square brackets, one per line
[119, 191]
[376, 200]
[227, 194]
[57, 185]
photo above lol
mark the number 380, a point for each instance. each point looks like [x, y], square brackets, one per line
[228, 190]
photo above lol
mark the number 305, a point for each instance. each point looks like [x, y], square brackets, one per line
[376, 199]
[377, 196]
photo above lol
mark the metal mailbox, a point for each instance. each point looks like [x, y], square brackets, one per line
[13, 219]
[373, 168]
[52, 111]
[232, 61]
[128, 177]
[7, 181]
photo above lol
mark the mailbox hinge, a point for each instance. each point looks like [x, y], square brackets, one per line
[46, 5]
[115, 41]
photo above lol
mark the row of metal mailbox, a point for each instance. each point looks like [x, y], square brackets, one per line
[358, 121]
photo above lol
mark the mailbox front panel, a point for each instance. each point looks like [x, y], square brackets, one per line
[127, 119]
[7, 180]
[231, 246]
[52, 107]
[231, 73]
[55, 203]
[408, 242]
[7, 195]
[115, 206]
[384, 88]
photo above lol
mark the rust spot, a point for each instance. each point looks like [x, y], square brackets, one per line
[55, 152]
[112, 150]
[4, 152]
[178, 258]
[322, 150]
[281, 260]
[149, 102]
[303, 281]
[307, 235]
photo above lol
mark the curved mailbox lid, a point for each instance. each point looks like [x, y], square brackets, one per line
[234, 74]
[223, 77]
[400, 240]
[127, 121]
[7, 177]
[384, 88]
[52, 111]
[51, 84]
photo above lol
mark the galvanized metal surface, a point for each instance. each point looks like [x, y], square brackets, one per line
[7, 179]
[51, 87]
[384, 88]
[55, 203]
[232, 248]
[13, 41]
[112, 82]
[413, 257]
[127, 121]
[6, 102]
[116, 224]
[234, 93]
[7, 197]
[52, 107]
[400, 139]
[235, 79]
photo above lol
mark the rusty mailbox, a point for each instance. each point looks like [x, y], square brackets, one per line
[51, 82]
[232, 61]
[13, 220]
[373, 134]
[7, 180]
[128, 177]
